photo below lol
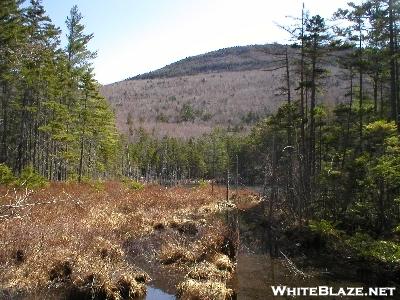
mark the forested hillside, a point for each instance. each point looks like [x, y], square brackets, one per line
[230, 88]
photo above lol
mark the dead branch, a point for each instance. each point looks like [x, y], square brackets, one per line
[292, 267]
[15, 208]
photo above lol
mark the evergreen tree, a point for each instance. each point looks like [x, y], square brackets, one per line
[12, 37]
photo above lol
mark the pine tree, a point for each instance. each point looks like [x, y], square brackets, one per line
[37, 71]
[12, 37]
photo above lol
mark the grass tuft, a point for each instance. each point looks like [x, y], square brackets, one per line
[203, 290]
[208, 271]
[171, 253]
[222, 262]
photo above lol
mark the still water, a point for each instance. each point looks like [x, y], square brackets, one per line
[256, 273]
[157, 294]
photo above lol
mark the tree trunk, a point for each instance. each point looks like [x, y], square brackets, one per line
[361, 100]
[4, 136]
[393, 97]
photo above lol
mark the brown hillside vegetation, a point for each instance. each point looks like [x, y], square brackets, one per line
[104, 240]
[227, 88]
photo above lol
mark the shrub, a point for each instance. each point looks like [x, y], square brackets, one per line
[133, 184]
[6, 175]
[203, 183]
[187, 113]
[324, 228]
[397, 229]
[30, 179]
[366, 246]
[98, 184]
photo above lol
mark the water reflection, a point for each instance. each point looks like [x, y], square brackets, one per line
[257, 273]
[157, 294]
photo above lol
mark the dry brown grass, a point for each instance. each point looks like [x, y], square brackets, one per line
[77, 237]
[189, 249]
[223, 263]
[203, 290]
[208, 271]
[208, 279]
[174, 252]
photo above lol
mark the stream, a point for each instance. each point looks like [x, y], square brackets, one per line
[256, 273]
[257, 270]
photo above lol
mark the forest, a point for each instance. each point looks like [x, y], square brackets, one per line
[53, 119]
[327, 176]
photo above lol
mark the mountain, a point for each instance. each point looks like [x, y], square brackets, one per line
[231, 88]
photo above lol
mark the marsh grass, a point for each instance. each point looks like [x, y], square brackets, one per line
[205, 290]
[75, 236]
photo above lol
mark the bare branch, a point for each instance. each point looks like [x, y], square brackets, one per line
[277, 68]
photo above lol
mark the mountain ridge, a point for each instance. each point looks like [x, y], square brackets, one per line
[208, 62]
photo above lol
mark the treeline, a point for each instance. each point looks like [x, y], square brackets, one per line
[173, 159]
[53, 119]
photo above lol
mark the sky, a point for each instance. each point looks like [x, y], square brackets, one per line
[133, 37]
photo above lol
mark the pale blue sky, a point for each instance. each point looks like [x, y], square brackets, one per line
[137, 36]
